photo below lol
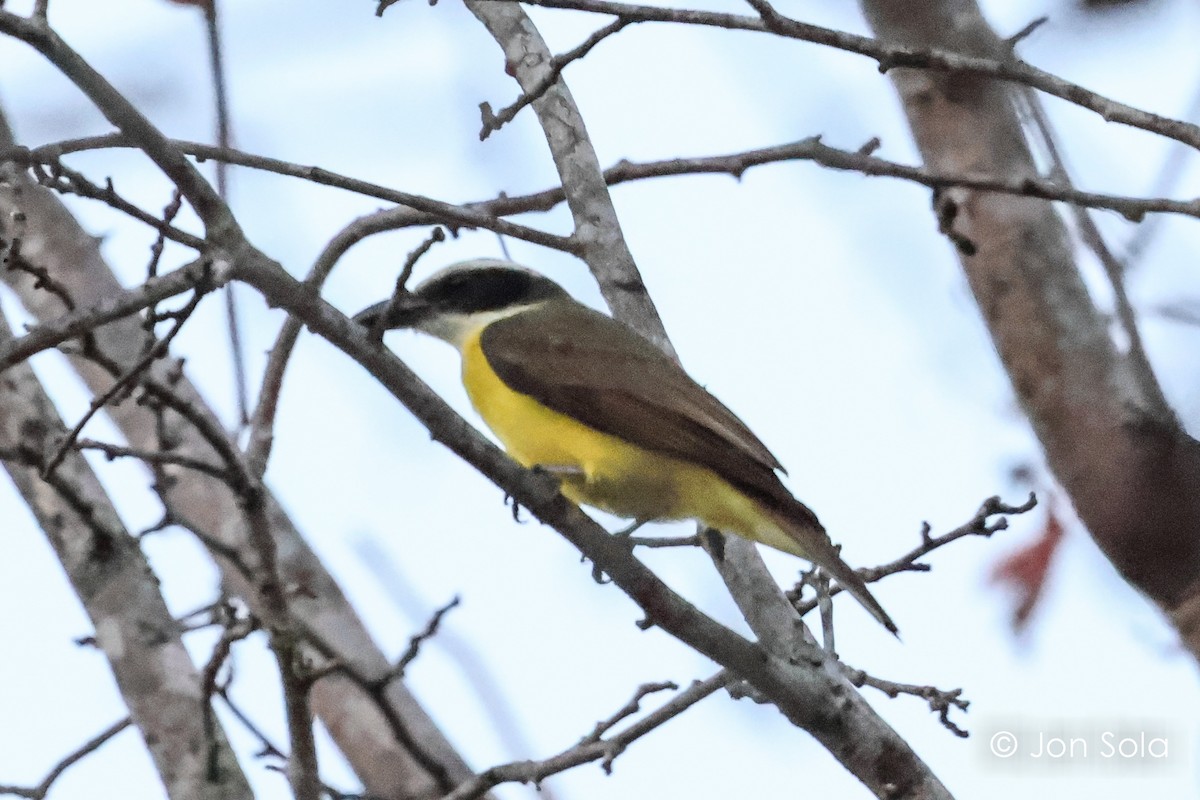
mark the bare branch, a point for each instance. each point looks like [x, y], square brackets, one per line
[108, 571]
[113, 451]
[40, 791]
[941, 701]
[593, 747]
[891, 56]
[195, 276]
[451, 215]
[217, 219]
[56, 176]
[597, 230]
[129, 376]
[979, 525]
[812, 149]
[495, 121]
[414, 644]
[423, 764]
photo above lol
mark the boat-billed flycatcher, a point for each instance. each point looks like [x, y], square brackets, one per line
[586, 398]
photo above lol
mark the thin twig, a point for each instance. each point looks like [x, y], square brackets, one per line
[940, 701]
[377, 691]
[892, 56]
[195, 276]
[235, 630]
[268, 748]
[216, 63]
[42, 279]
[170, 211]
[978, 525]
[494, 121]
[414, 644]
[449, 214]
[475, 667]
[40, 791]
[380, 324]
[735, 164]
[594, 747]
[156, 457]
[1170, 173]
[56, 176]
[130, 375]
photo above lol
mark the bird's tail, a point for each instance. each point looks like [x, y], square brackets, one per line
[813, 543]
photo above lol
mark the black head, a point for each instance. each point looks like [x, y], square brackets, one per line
[486, 285]
[463, 289]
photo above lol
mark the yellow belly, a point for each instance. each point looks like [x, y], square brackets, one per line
[613, 475]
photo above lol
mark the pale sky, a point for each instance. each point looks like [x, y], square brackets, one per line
[822, 307]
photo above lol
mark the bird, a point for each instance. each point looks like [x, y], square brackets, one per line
[575, 393]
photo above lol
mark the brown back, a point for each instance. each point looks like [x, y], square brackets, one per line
[599, 371]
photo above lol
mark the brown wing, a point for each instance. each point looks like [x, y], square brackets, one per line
[597, 370]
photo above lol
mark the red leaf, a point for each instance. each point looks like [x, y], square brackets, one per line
[1026, 569]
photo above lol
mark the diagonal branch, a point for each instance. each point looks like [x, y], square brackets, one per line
[56, 243]
[114, 583]
[892, 55]
[812, 692]
[1132, 472]
[40, 791]
[218, 221]
[493, 121]
[594, 747]
[48, 334]
[597, 230]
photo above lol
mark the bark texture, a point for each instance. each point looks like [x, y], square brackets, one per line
[142, 642]
[1131, 471]
[396, 750]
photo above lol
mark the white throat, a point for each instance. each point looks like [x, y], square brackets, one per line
[457, 328]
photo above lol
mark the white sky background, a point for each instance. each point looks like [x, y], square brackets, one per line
[822, 307]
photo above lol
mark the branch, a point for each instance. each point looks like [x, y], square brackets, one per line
[594, 747]
[213, 212]
[494, 121]
[809, 697]
[386, 766]
[1132, 471]
[414, 644]
[40, 791]
[59, 178]
[940, 700]
[978, 525]
[449, 214]
[129, 376]
[195, 276]
[158, 457]
[108, 571]
[484, 212]
[597, 230]
[891, 56]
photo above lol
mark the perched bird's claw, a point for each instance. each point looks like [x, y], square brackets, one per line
[598, 575]
[509, 500]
